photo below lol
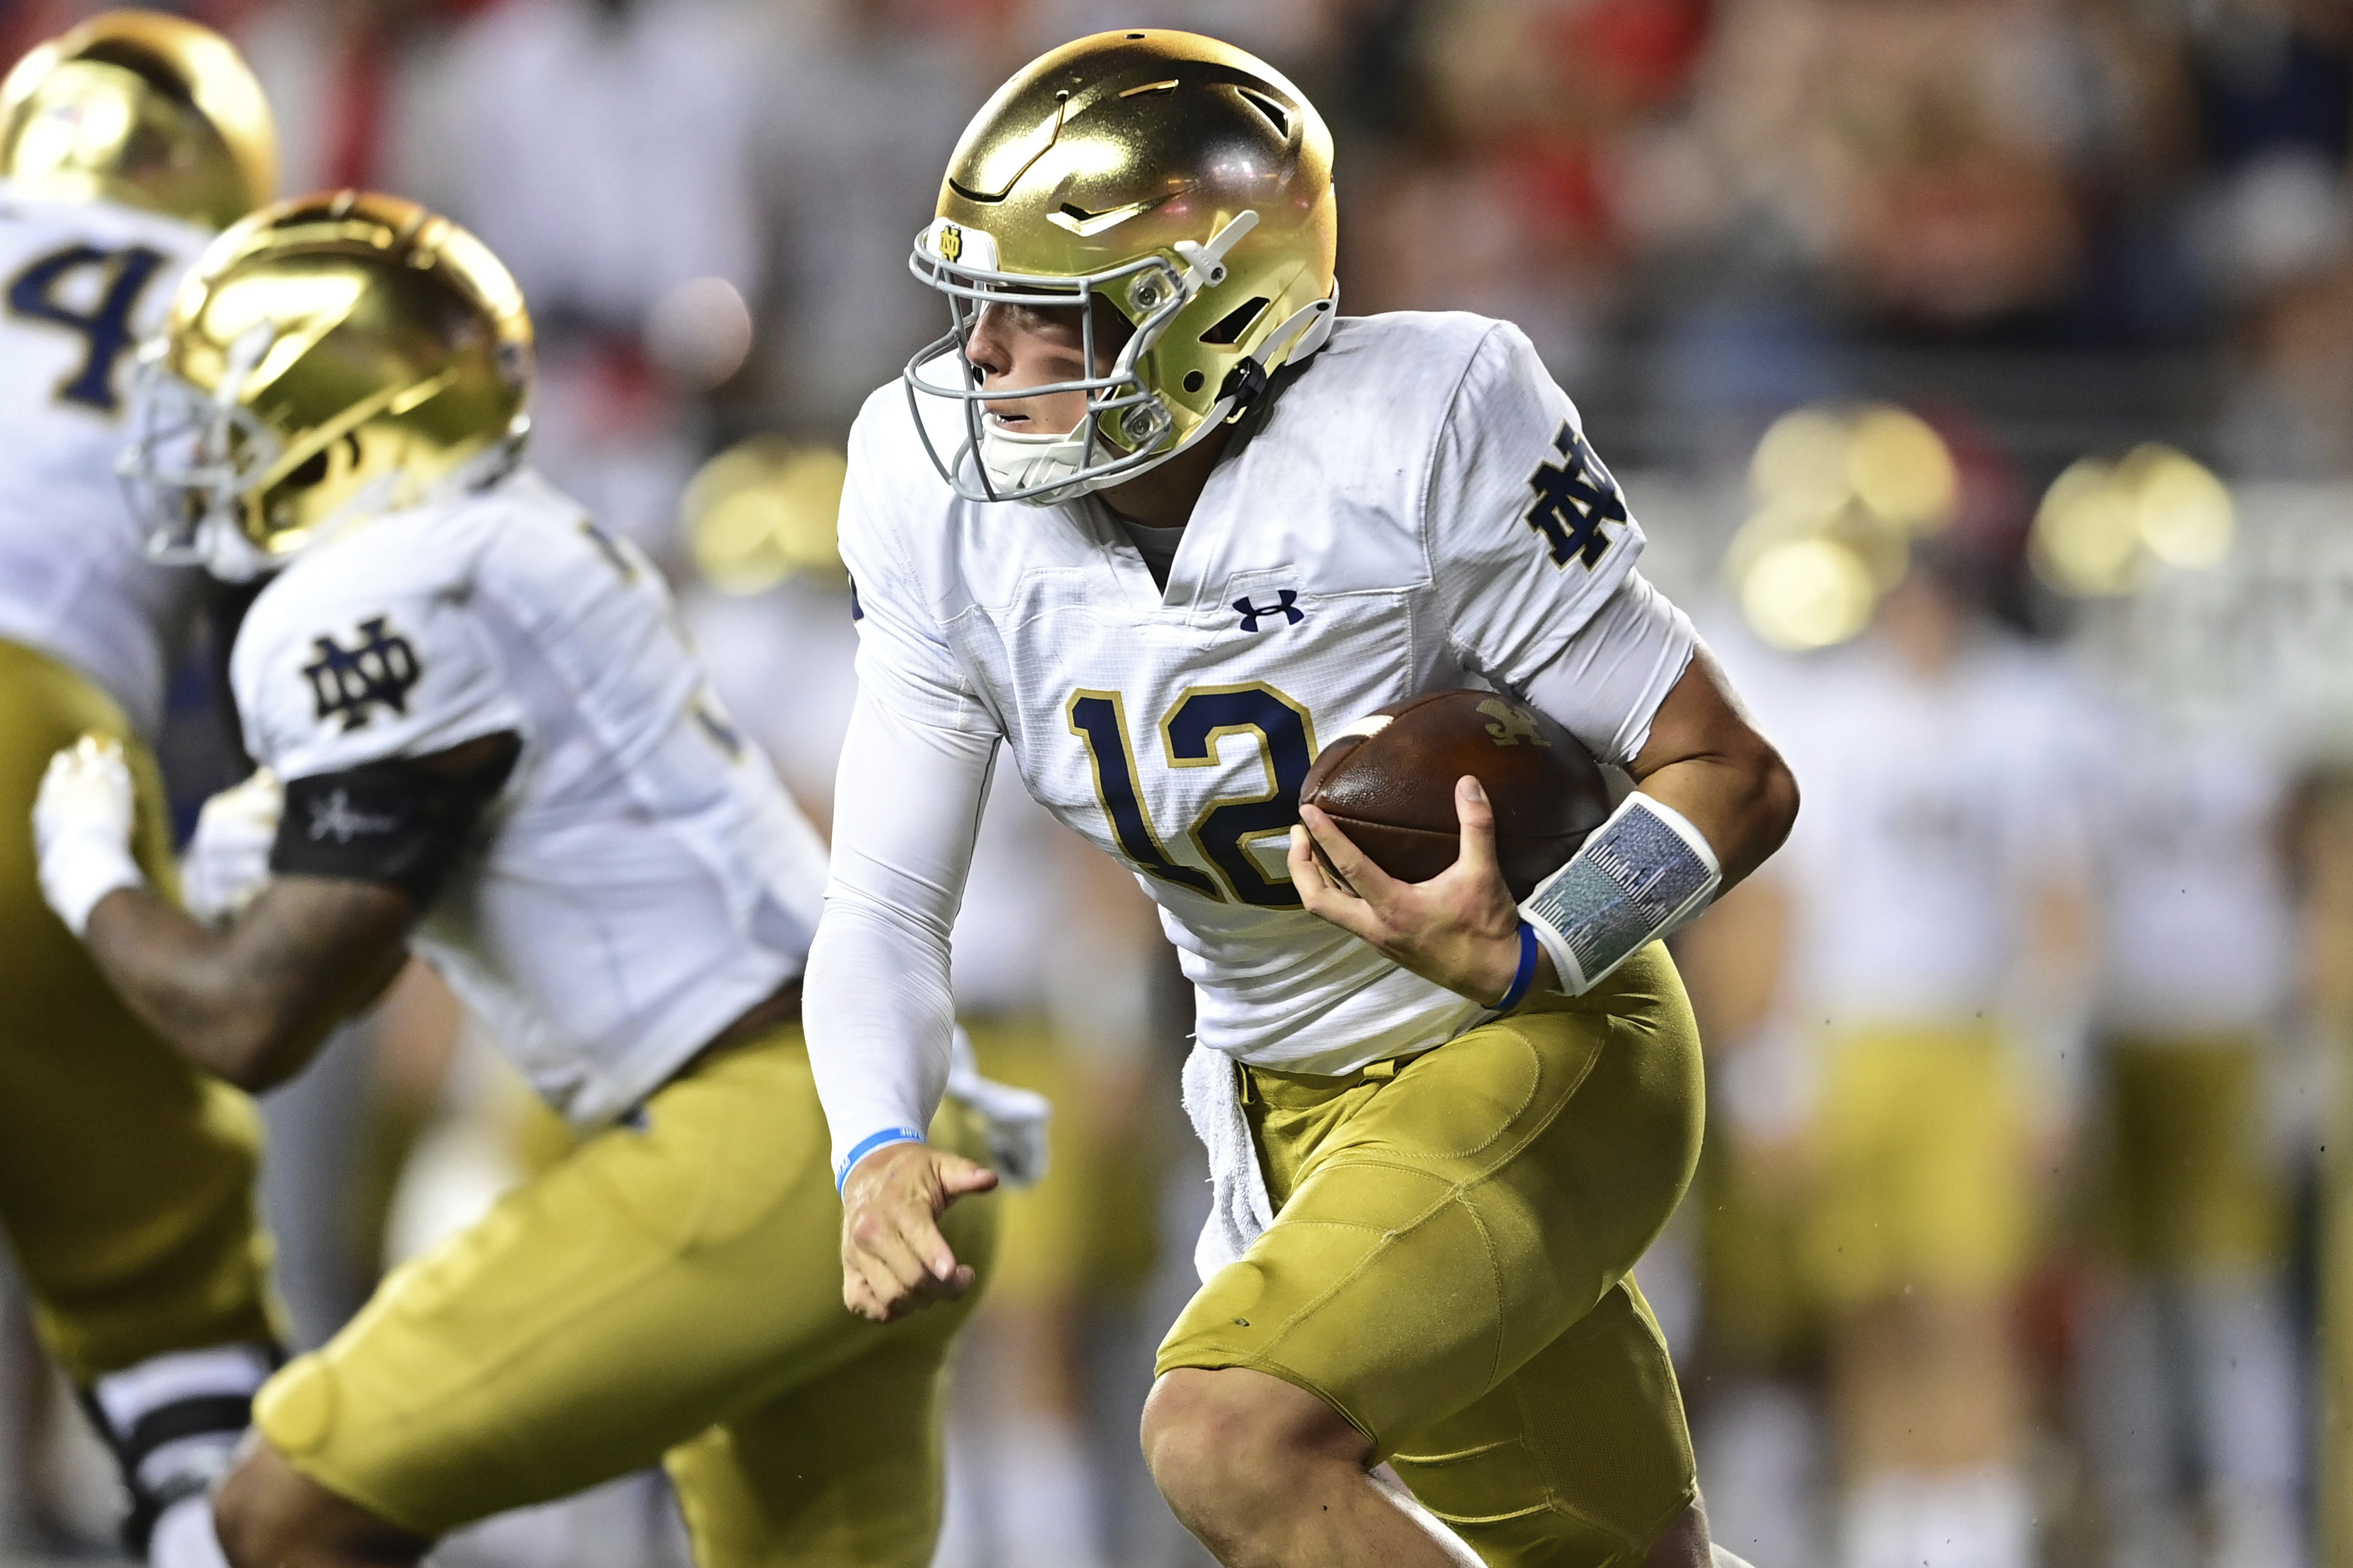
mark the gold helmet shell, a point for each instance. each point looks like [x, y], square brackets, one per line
[333, 357]
[148, 109]
[1183, 181]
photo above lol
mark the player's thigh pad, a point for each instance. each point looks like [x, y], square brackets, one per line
[126, 1176]
[1920, 1177]
[2191, 1186]
[1459, 1230]
[669, 1276]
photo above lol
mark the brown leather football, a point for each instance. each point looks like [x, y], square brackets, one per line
[1387, 781]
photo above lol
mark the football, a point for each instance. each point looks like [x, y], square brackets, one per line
[1387, 781]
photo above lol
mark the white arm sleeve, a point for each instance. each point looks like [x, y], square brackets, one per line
[1606, 686]
[877, 1004]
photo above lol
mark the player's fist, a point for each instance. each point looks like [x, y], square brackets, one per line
[1460, 928]
[893, 1257]
[228, 859]
[82, 829]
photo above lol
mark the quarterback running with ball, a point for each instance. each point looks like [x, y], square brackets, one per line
[1153, 520]
[498, 750]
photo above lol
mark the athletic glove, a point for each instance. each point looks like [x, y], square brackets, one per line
[229, 859]
[81, 829]
[1016, 1119]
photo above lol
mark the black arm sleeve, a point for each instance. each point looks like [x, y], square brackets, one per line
[398, 822]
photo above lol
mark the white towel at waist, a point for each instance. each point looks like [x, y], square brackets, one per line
[1239, 1209]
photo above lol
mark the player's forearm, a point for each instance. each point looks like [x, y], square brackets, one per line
[243, 1006]
[1706, 760]
[881, 1019]
[1745, 804]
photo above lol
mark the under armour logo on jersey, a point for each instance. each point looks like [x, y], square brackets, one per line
[1574, 497]
[1286, 605]
[350, 682]
[335, 818]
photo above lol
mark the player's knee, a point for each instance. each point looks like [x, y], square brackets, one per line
[1235, 1441]
[268, 1514]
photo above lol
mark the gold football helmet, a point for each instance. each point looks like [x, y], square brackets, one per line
[1180, 180]
[144, 108]
[330, 358]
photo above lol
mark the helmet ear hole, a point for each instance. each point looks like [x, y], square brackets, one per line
[307, 472]
[1194, 381]
[1234, 324]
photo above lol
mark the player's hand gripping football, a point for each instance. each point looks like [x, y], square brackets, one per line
[1459, 928]
[893, 1257]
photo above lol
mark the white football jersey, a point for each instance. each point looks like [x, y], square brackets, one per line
[1420, 511]
[80, 283]
[2198, 925]
[1932, 808]
[642, 879]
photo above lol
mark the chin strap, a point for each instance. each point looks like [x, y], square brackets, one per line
[1291, 344]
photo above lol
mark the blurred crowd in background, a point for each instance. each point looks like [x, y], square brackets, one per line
[1982, 371]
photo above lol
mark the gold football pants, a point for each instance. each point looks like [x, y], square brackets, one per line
[1449, 1267]
[1920, 1177]
[673, 1290]
[2190, 1187]
[126, 1176]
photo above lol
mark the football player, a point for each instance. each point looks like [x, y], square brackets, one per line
[1153, 520]
[2197, 945]
[126, 1177]
[499, 751]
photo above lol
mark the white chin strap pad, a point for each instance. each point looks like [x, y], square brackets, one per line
[1017, 462]
[227, 553]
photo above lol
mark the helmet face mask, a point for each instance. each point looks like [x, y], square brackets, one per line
[190, 460]
[1179, 181]
[329, 360]
[1125, 427]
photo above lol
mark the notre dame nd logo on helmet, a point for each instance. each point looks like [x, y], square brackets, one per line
[951, 242]
[351, 683]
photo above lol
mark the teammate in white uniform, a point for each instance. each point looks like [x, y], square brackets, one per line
[499, 751]
[2194, 1355]
[1929, 1019]
[1217, 571]
[126, 1178]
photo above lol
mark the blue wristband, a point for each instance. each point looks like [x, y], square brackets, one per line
[1527, 974]
[867, 1145]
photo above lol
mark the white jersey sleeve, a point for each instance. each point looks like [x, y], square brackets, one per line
[1526, 532]
[351, 669]
[913, 778]
[1606, 685]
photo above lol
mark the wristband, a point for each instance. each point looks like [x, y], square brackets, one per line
[1527, 974]
[1639, 875]
[867, 1145]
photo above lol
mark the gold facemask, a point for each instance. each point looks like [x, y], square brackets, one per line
[144, 108]
[1179, 179]
[333, 357]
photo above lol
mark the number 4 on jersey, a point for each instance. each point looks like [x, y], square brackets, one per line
[90, 291]
[1226, 830]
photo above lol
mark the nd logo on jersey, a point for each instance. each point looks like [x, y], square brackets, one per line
[350, 683]
[1574, 497]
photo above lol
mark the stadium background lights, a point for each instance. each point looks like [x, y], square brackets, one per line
[1836, 498]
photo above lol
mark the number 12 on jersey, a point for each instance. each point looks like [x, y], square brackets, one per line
[1227, 829]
